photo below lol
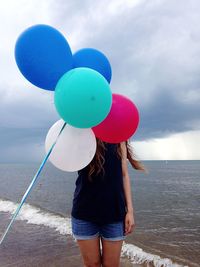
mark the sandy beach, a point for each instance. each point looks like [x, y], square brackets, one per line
[29, 245]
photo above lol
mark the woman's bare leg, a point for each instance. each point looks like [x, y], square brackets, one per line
[111, 251]
[90, 251]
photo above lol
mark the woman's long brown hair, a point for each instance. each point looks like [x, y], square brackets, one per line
[96, 165]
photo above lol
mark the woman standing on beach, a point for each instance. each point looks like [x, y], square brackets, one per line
[102, 205]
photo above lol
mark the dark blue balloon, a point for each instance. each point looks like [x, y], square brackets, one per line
[43, 55]
[93, 59]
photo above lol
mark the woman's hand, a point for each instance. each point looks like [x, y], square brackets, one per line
[129, 222]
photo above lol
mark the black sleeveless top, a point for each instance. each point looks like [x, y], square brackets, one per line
[102, 200]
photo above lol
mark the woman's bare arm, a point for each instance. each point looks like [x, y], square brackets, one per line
[126, 178]
[129, 219]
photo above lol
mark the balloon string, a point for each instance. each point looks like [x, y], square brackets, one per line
[31, 184]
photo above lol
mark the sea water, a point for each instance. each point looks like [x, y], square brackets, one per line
[166, 207]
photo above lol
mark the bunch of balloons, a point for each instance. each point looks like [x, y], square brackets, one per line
[82, 95]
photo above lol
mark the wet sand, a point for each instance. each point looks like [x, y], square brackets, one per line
[29, 245]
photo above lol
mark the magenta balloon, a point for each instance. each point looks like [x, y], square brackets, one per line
[121, 122]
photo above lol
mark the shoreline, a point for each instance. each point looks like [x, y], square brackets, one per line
[30, 245]
[32, 220]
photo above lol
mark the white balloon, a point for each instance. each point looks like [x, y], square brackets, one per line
[74, 149]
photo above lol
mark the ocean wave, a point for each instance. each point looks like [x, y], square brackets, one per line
[138, 256]
[35, 215]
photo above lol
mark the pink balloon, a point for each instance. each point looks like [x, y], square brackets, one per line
[121, 122]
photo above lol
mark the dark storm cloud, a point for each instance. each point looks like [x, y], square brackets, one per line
[23, 144]
[29, 107]
[166, 115]
[24, 123]
[154, 50]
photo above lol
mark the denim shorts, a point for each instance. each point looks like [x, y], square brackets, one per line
[83, 230]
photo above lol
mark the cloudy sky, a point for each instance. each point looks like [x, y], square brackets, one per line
[154, 50]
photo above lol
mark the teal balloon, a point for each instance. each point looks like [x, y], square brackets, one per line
[83, 97]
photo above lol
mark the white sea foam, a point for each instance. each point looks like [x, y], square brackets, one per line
[138, 256]
[35, 215]
[38, 216]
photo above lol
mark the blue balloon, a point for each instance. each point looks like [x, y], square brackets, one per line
[93, 59]
[43, 55]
